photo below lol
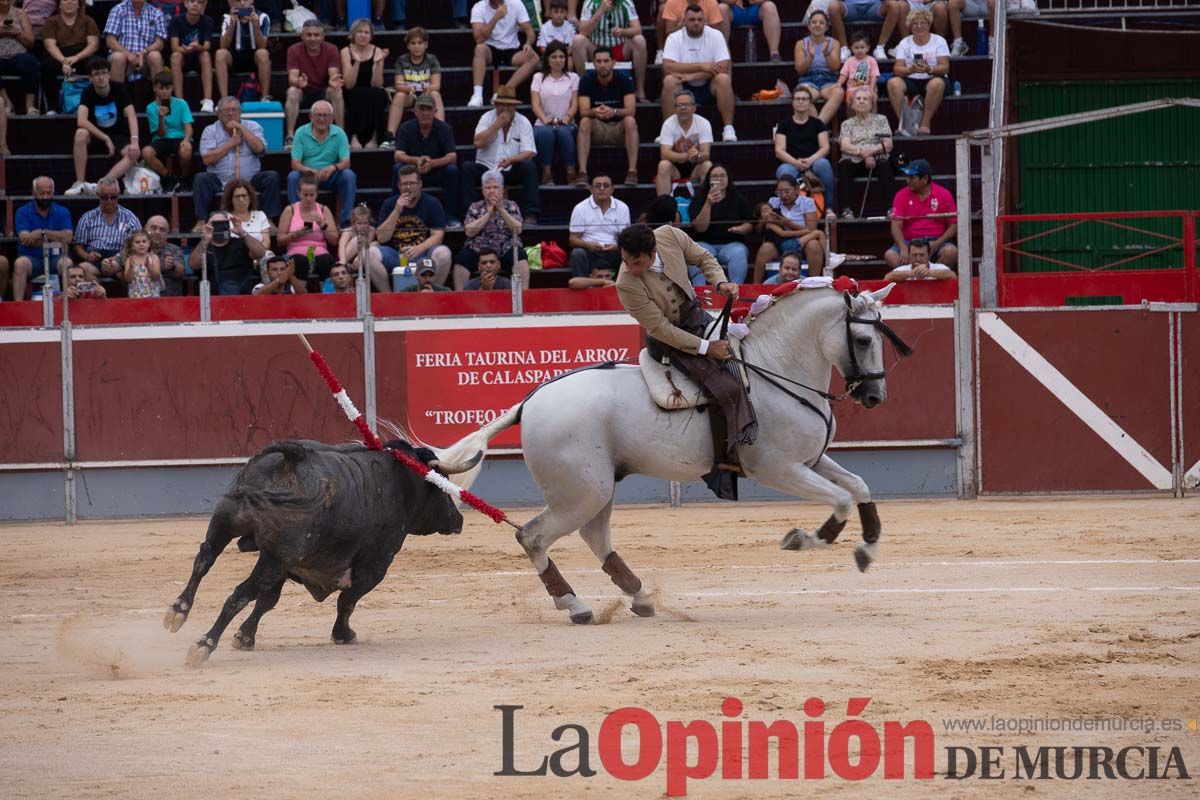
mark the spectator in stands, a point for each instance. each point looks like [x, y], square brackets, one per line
[230, 149]
[937, 10]
[919, 267]
[376, 14]
[923, 210]
[697, 59]
[671, 18]
[136, 35]
[191, 36]
[103, 106]
[80, 286]
[504, 141]
[494, 24]
[366, 100]
[412, 226]
[922, 63]
[427, 143]
[595, 223]
[170, 256]
[818, 61]
[607, 115]
[860, 72]
[870, 11]
[320, 147]
[973, 9]
[101, 232]
[37, 222]
[492, 223]
[349, 253]
[240, 200]
[612, 24]
[789, 224]
[756, 14]
[16, 41]
[865, 144]
[340, 280]
[70, 39]
[721, 222]
[245, 34]
[662, 210]
[489, 273]
[789, 270]
[170, 123]
[231, 257]
[418, 72]
[314, 74]
[141, 270]
[601, 276]
[307, 230]
[555, 97]
[802, 144]
[685, 144]
[39, 13]
[281, 278]
[555, 28]
[425, 280]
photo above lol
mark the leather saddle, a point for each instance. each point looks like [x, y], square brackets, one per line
[671, 388]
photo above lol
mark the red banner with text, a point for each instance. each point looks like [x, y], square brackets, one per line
[458, 380]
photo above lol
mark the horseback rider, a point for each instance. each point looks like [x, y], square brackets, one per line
[653, 286]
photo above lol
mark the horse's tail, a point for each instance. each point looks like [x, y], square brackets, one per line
[466, 448]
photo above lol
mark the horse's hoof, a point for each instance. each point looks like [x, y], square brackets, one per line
[583, 618]
[200, 651]
[864, 555]
[176, 615]
[351, 639]
[242, 641]
[796, 539]
[642, 610]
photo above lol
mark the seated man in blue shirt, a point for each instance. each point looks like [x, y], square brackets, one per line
[42, 220]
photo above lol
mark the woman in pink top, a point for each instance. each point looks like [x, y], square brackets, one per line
[555, 97]
[307, 227]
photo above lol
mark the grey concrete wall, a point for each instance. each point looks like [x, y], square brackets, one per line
[160, 491]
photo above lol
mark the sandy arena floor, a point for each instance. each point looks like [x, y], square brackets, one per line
[1040, 608]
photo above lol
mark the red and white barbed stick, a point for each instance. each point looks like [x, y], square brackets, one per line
[372, 441]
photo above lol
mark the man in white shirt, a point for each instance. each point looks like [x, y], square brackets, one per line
[494, 24]
[920, 268]
[696, 58]
[504, 142]
[685, 144]
[595, 224]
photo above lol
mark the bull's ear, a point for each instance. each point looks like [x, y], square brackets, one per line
[882, 294]
[849, 300]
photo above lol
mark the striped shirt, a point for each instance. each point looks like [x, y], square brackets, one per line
[619, 16]
[136, 32]
[95, 234]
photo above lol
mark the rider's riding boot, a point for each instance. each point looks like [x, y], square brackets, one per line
[722, 478]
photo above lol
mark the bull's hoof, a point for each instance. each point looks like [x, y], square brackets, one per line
[796, 539]
[646, 610]
[348, 638]
[243, 641]
[200, 651]
[864, 555]
[176, 615]
[582, 618]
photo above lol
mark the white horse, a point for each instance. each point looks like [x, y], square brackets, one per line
[587, 430]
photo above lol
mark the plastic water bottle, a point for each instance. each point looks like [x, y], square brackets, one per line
[981, 39]
[957, 89]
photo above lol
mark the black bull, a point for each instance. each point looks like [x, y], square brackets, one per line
[331, 517]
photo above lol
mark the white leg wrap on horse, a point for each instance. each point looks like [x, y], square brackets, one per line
[865, 553]
[796, 539]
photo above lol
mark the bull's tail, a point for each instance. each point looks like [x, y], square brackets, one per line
[466, 448]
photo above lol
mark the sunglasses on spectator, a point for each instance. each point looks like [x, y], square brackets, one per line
[107, 196]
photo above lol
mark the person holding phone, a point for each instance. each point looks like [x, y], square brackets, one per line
[307, 230]
[922, 64]
[231, 255]
[16, 40]
[79, 287]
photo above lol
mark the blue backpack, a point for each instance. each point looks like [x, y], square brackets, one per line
[72, 91]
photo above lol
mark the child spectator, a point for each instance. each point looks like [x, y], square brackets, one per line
[281, 278]
[143, 273]
[860, 71]
[103, 106]
[558, 29]
[361, 229]
[417, 72]
[170, 123]
[191, 36]
[243, 47]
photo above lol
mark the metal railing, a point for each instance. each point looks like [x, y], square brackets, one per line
[1058, 9]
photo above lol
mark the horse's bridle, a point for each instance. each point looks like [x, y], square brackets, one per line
[855, 376]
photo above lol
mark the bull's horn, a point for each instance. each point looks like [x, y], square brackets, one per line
[454, 469]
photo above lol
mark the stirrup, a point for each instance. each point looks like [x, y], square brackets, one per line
[734, 468]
